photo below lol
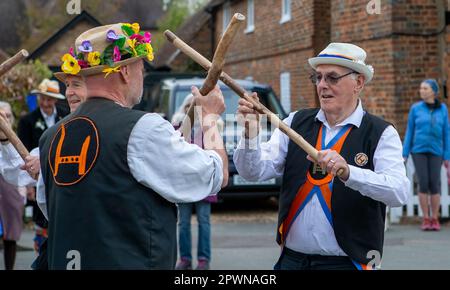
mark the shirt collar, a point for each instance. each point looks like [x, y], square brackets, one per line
[355, 118]
[48, 116]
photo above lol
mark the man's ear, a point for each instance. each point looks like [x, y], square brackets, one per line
[360, 81]
[125, 73]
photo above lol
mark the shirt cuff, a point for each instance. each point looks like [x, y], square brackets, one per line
[249, 144]
[356, 175]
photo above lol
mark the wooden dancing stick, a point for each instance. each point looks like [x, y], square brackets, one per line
[13, 139]
[12, 61]
[241, 92]
[214, 70]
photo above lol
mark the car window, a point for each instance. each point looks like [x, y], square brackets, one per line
[267, 98]
[163, 106]
[230, 98]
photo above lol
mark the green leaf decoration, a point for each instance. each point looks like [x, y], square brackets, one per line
[80, 56]
[120, 42]
[127, 30]
[109, 62]
[141, 49]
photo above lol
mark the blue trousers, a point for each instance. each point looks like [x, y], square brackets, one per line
[203, 211]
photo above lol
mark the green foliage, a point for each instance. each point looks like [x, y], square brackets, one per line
[19, 81]
[177, 13]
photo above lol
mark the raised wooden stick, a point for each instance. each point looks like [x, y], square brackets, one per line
[232, 84]
[214, 71]
[12, 61]
[13, 139]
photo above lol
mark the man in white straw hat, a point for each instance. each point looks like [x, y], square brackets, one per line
[327, 221]
[112, 174]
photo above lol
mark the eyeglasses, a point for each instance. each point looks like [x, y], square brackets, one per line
[330, 79]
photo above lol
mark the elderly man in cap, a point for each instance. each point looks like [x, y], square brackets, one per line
[329, 220]
[113, 174]
[30, 129]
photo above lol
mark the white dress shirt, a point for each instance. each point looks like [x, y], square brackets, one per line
[311, 232]
[50, 120]
[10, 163]
[160, 159]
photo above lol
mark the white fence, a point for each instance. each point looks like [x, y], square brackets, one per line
[412, 208]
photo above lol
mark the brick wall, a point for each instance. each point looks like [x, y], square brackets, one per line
[406, 43]
[273, 48]
[403, 45]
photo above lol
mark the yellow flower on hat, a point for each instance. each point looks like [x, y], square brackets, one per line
[94, 58]
[149, 48]
[70, 65]
[135, 27]
[132, 44]
[111, 70]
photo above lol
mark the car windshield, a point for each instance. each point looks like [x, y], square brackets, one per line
[232, 99]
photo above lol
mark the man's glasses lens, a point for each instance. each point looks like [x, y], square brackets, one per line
[330, 79]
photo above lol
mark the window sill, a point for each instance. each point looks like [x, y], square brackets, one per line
[250, 29]
[285, 18]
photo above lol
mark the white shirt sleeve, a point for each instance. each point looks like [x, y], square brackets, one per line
[255, 161]
[388, 182]
[160, 159]
[10, 163]
[41, 199]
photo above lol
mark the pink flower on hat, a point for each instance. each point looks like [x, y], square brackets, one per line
[148, 37]
[83, 63]
[116, 54]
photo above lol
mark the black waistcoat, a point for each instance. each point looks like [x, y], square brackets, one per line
[95, 205]
[358, 220]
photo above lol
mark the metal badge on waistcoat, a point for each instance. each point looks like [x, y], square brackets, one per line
[361, 159]
[73, 151]
[316, 172]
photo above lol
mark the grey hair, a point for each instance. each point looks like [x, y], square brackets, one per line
[7, 106]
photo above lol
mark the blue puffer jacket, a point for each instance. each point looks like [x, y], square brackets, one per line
[427, 131]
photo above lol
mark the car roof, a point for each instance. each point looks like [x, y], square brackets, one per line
[198, 82]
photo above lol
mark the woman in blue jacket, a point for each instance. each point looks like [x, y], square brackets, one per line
[427, 139]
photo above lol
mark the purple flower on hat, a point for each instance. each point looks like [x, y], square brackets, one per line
[85, 46]
[111, 36]
[116, 54]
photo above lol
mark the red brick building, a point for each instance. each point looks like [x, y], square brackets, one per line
[406, 42]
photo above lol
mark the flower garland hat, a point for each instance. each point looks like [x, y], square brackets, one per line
[344, 54]
[105, 49]
[49, 88]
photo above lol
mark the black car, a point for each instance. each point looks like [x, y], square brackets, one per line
[171, 95]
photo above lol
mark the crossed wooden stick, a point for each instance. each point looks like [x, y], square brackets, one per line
[260, 108]
[4, 125]
[241, 92]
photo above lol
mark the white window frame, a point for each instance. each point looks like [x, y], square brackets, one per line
[226, 16]
[285, 91]
[250, 16]
[285, 11]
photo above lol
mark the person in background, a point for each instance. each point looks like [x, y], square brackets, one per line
[30, 129]
[11, 205]
[202, 209]
[427, 140]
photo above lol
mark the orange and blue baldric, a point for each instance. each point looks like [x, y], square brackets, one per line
[318, 183]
